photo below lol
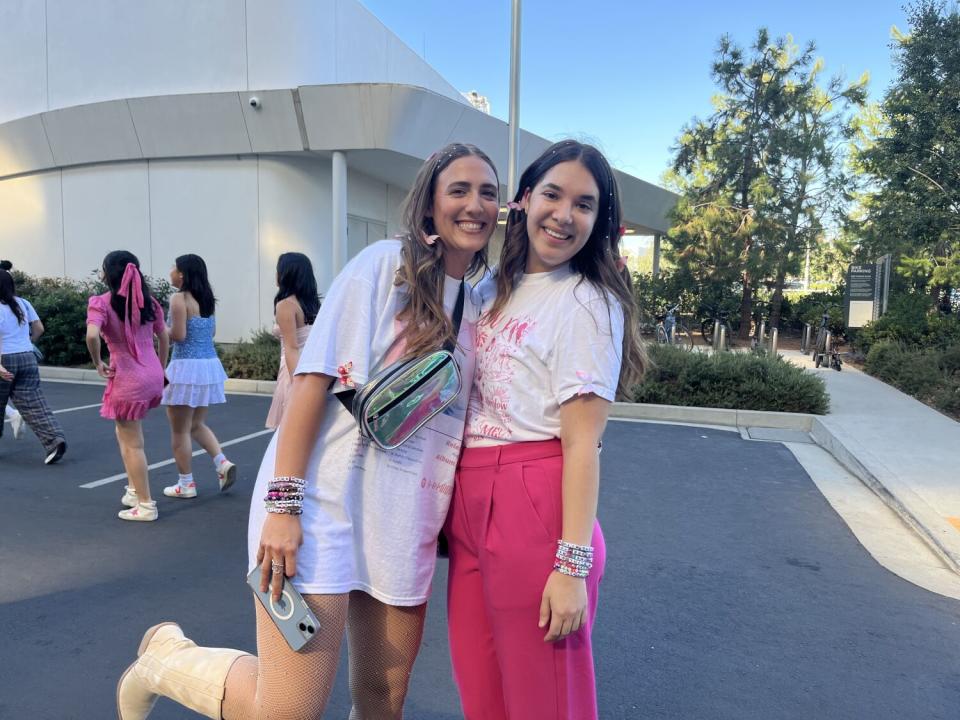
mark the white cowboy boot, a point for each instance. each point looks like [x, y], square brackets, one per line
[172, 665]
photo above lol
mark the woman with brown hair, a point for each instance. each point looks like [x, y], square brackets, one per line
[352, 526]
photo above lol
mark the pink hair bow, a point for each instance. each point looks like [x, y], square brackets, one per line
[131, 289]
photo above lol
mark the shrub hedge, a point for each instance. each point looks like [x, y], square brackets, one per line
[931, 375]
[254, 359]
[741, 381]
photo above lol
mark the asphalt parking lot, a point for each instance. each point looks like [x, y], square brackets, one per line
[732, 589]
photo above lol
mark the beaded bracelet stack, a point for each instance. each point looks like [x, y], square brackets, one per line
[285, 496]
[573, 560]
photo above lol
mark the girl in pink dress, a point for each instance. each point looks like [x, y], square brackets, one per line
[129, 319]
[295, 307]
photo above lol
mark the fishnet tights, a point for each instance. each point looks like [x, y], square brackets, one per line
[383, 642]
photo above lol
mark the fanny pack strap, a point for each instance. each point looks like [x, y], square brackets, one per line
[346, 397]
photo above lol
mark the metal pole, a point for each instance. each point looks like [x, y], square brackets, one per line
[762, 334]
[774, 337]
[805, 338]
[656, 255]
[514, 124]
[339, 211]
[723, 338]
[716, 335]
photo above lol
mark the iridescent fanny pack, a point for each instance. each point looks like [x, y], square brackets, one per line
[405, 395]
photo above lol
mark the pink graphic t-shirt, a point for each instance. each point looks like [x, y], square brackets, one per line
[556, 338]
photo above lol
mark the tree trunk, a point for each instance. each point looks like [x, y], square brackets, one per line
[776, 302]
[746, 308]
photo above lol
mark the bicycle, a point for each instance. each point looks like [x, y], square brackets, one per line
[825, 350]
[707, 326]
[672, 331]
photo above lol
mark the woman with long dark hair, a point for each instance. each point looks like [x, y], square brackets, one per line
[353, 527]
[10, 412]
[20, 326]
[555, 346]
[195, 375]
[129, 318]
[295, 307]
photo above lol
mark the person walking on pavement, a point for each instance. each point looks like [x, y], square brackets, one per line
[354, 527]
[10, 412]
[295, 308]
[195, 375]
[20, 326]
[129, 318]
[555, 345]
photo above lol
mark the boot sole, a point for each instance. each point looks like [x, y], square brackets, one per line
[229, 479]
[147, 637]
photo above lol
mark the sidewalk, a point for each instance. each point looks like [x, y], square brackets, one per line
[908, 453]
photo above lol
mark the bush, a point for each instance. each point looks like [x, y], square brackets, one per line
[256, 359]
[912, 321]
[741, 381]
[809, 308]
[929, 374]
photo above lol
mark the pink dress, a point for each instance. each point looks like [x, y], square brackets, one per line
[281, 394]
[137, 384]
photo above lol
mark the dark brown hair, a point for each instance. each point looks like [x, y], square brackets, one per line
[596, 262]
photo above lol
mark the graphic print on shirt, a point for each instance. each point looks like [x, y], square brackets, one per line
[498, 341]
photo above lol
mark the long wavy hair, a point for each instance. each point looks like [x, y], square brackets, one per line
[295, 277]
[196, 282]
[597, 262]
[8, 292]
[114, 265]
[427, 326]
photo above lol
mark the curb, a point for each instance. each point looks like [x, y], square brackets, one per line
[253, 387]
[930, 527]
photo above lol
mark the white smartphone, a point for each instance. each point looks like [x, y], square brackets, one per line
[291, 614]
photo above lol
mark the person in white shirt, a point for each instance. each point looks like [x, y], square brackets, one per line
[555, 345]
[20, 326]
[353, 527]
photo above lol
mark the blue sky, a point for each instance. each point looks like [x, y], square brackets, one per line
[627, 75]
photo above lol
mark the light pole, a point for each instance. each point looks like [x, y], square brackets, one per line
[514, 123]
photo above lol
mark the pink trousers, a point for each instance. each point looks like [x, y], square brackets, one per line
[504, 523]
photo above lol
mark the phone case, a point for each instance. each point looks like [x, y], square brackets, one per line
[291, 614]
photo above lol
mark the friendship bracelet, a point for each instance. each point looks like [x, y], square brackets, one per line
[285, 495]
[573, 560]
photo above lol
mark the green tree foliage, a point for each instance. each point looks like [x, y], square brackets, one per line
[759, 174]
[909, 154]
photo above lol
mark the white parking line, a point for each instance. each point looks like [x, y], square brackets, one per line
[122, 476]
[66, 410]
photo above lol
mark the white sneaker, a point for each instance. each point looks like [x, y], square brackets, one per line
[129, 498]
[179, 491]
[227, 474]
[16, 424]
[143, 512]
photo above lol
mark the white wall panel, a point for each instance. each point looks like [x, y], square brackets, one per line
[395, 197]
[366, 197]
[23, 91]
[209, 207]
[105, 208]
[291, 43]
[109, 49]
[295, 209]
[31, 234]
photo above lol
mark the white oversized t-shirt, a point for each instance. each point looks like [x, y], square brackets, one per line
[371, 517]
[557, 337]
[16, 336]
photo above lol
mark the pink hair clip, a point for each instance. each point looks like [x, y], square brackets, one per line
[514, 205]
[621, 231]
[429, 239]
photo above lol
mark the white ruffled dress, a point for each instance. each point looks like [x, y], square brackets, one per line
[195, 372]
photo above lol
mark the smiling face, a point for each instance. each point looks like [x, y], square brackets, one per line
[561, 211]
[464, 211]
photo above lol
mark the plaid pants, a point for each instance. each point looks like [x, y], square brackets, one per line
[25, 392]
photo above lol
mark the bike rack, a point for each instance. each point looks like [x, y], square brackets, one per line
[723, 338]
[805, 338]
[774, 337]
[716, 336]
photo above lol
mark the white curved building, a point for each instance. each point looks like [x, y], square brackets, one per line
[132, 125]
